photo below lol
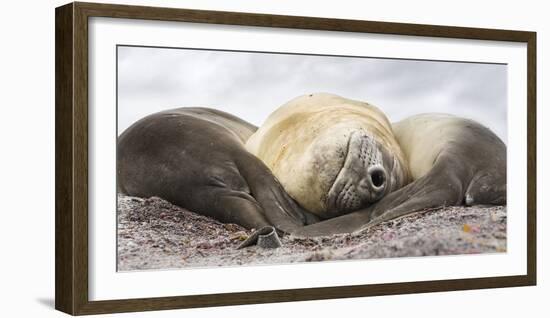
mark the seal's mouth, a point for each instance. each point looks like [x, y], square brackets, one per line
[362, 180]
[338, 188]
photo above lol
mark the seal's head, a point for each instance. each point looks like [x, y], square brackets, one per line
[332, 155]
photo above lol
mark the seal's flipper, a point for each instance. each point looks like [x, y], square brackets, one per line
[230, 206]
[439, 188]
[486, 188]
[266, 237]
[415, 204]
[280, 209]
[347, 223]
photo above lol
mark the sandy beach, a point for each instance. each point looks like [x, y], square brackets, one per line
[154, 234]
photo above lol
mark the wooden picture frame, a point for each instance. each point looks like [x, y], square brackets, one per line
[71, 221]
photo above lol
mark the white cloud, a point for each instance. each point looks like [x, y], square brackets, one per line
[252, 85]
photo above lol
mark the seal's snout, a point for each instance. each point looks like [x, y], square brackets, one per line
[363, 178]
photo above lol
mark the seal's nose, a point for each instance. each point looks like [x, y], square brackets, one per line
[375, 182]
[377, 177]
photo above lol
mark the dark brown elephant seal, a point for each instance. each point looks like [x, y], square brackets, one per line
[195, 158]
[453, 161]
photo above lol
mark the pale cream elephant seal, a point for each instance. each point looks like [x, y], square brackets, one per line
[331, 154]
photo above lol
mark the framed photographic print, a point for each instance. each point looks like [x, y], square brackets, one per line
[210, 158]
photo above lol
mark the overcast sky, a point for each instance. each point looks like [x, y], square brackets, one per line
[252, 85]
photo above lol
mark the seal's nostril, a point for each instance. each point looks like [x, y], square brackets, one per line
[378, 177]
